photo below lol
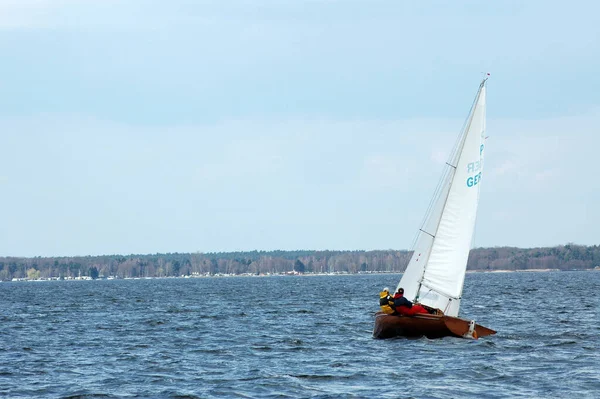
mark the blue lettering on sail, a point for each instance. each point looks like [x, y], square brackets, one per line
[474, 180]
[474, 166]
[472, 169]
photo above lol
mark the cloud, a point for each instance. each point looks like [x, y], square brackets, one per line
[386, 171]
[241, 160]
[506, 167]
[547, 155]
[548, 176]
[286, 175]
[65, 14]
[23, 14]
[440, 156]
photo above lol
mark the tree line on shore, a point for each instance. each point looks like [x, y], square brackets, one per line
[564, 257]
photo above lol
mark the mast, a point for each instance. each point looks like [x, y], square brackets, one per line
[457, 153]
[443, 243]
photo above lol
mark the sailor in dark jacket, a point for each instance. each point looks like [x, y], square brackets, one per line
[405, 307]
[399, 299]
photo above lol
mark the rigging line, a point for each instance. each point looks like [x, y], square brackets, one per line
[455, 150]
[463, 139]
[429, 234]
[436, 195]
[456, 158]
[467, 121]
[417, 296]
[479, 186]
[424, 284]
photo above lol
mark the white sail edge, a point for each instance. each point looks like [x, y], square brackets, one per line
[437, 287]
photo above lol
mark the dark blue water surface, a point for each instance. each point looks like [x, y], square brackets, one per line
[293, 337]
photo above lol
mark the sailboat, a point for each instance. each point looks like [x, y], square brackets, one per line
[435, 274]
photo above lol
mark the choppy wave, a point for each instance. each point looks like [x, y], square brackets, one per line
[293, 337]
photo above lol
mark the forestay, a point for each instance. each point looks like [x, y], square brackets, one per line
[436, 271]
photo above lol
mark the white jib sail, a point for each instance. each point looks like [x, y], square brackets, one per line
[436, 271]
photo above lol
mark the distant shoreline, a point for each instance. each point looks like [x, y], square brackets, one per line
[284, 275]
[483, 260]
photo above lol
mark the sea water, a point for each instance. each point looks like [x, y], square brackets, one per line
[293, 337]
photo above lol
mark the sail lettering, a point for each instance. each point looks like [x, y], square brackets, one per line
[474, 180]
[474, 167]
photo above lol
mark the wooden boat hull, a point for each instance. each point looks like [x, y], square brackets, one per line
[428, 325]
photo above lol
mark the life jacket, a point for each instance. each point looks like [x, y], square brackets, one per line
[386, 303]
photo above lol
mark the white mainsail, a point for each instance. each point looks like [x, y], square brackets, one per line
[436, 272]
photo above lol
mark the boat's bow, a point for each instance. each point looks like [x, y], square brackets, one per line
[466, 329]
[428, 325]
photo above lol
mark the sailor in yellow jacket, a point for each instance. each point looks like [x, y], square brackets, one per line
[386, 302]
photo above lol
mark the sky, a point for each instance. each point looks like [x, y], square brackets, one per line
[141, 126]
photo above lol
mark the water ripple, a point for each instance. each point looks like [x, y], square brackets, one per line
[292, 337]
